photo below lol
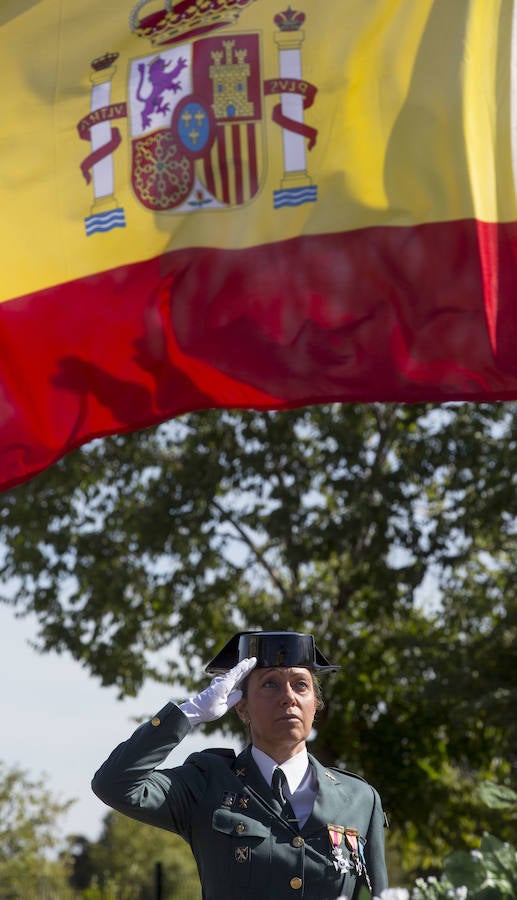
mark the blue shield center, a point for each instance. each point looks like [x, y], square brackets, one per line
[194, 127]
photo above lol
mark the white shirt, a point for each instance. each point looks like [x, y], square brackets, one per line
[302, 784]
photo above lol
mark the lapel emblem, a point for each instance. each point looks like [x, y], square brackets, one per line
[240, 773]
[243, 801]
[242, 854]
[330, 775]
[228, 799]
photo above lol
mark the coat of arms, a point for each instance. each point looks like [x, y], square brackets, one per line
[196, 121]
[196, 111]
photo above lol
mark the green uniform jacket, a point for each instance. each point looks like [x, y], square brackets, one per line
[222, 806]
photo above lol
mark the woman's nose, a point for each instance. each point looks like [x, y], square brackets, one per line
[288, 695]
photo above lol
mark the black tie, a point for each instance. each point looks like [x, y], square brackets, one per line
[278, 783]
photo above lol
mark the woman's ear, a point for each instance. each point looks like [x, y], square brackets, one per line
[242, 710]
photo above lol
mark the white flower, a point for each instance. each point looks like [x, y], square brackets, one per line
[393, 894]
[462, 892]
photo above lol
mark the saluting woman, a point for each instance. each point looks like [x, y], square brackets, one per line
[271, 823]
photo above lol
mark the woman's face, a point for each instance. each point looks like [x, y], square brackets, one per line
[280, 706]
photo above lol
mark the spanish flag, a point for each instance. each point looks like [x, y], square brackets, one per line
[247, 204]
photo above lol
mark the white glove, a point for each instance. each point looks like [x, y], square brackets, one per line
[220, 695]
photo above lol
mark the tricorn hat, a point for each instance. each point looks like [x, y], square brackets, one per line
[273, 649]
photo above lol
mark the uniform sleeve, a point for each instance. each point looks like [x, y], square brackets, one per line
[374, 850]
[130, 782]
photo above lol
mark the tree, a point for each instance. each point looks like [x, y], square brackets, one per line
[78, 853]
[390, 531]
[124, 861]
[29, 830]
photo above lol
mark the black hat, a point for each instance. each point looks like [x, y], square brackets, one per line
[273, 649]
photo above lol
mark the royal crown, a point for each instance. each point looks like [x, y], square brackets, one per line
[185, 19]
[104, 62]
[289, 20]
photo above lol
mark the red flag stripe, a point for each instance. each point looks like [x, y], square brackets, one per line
[253, 163]
[237, 163]
[393, 314]
[223, 164]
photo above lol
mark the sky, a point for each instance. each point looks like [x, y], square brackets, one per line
[59, 723]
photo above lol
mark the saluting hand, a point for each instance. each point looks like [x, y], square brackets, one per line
[221, 694]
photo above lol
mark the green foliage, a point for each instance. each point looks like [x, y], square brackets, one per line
[489, 873]
[124, 859]
[29, 831]
[120, 865]
[389, 531]
[497, 796]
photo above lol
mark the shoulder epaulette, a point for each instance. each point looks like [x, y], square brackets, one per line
[346, 772]
[201, 757]
[221, 751]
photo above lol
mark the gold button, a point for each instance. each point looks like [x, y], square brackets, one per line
[240, 828]
[155, 721]
[297, 841]
[296, 883]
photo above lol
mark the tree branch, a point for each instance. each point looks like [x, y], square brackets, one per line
[260, 557]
